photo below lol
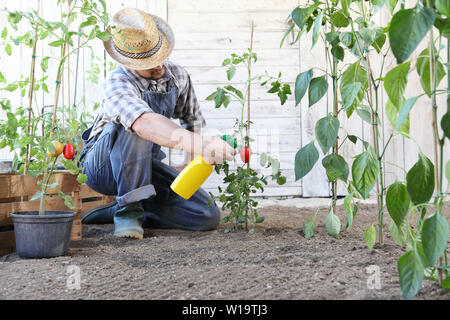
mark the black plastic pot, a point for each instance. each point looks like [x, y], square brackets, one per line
[43, 236]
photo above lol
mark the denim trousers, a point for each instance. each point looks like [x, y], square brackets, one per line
[119, 162]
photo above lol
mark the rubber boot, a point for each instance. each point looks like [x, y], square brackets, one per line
[128, 221]
[101, 214]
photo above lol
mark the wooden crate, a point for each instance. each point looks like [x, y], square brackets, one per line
[16, 190]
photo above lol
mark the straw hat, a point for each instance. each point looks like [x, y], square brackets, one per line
[139, 40]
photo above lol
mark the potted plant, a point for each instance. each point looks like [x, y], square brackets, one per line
[43, 139]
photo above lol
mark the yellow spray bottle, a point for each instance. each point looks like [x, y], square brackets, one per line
[195, 174]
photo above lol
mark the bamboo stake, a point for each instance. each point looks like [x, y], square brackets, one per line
[436, 141]
[249, 77]
[375, 141]
[59, 76]
[247, 143]
[31, 90]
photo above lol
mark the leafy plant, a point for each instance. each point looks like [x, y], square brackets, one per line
[34, 133]
[245, 181]
[347, 27]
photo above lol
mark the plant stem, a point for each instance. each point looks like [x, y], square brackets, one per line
[247, 142]
[335, 114]
[46, 178]
[59, 75]
[31, 90]
[375, 135]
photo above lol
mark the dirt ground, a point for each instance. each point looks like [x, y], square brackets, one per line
[277, 262]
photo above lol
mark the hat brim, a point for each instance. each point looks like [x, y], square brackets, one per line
[167, 38]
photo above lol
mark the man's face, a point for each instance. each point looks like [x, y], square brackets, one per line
[153, 73]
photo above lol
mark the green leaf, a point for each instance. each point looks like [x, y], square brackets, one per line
[339, 19]
[445, 125]
[4, 33]
[259, 220]
[309, 228]
[365, 171]
[392, 112]
[395, 83]
[44, 64]
[411, 273]
[338, 52]
[379, 42]
[301, 85]
[234, 90]
[370, 236]
[434, 237]
[317, 27]
[446, 283]
[352, 75]
[39, 194]
[333, 224]
[8, 49]
[407, 29]
[345, 5]
[404, 112]
[443, 7]
[390, 4]
[299, 16]
[420, 180]
[447, 171]
[231, 72]
[57, 43]
[397, 202]
[219, 97]
[336, 167]
[317, 89]
[92, 20]
[352, 138]
[305, 159]
[443, 25]
[82, 178]
[349, 93]
[350, 211]
[327, 132]
[2, 78]
[398, 233]
[104, 36]
[423, 69]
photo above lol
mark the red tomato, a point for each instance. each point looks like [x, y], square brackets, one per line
[245, 154]
[69, 151]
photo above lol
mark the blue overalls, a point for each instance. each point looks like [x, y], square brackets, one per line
[119, 162]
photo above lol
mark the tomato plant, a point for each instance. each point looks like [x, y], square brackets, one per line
[242, 182]
[34, 133]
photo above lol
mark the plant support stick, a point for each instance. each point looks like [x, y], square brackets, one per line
[31, 90]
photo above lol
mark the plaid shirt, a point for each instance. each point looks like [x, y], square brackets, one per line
[123, 98]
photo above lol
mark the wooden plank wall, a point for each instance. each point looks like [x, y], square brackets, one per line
[206, 32]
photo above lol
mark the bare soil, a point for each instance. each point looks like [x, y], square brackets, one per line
[277, 262]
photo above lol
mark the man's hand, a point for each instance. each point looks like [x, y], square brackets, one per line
[159, 129]
[216, 150]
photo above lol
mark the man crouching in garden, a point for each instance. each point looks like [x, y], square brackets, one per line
[122, 153]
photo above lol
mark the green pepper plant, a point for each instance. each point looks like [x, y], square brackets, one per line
[348, 27]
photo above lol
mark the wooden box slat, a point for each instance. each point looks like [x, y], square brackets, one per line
[19, 186]
[7, 242]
